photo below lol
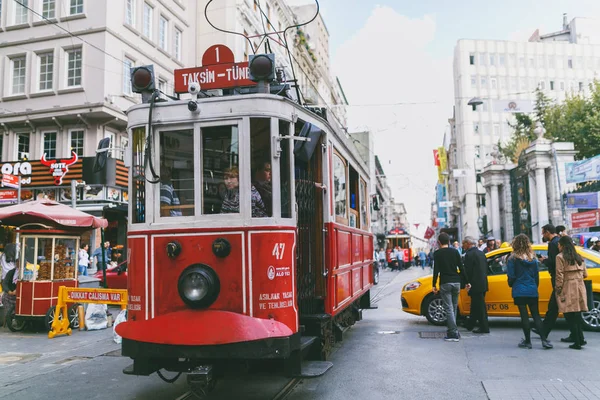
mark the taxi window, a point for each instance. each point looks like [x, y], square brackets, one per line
[538, 254]
[497, 264]
[587, 256]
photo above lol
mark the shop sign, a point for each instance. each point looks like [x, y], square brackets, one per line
[19, 169]
[8, 196]
[59, 168]
[9, 180]
[583, 200]
[583, 171]
[585, 219]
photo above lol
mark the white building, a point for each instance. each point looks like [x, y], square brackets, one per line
[65, 69]
[309, 45]
[505, 75]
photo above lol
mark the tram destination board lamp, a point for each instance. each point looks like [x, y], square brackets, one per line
[261, 69]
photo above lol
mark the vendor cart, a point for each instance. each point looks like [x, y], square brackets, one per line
[48, 235]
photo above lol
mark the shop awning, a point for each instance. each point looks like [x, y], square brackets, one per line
[50, 213]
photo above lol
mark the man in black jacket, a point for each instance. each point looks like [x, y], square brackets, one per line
[549, 235]
[476, 268]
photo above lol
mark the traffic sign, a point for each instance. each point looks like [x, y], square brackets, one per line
[11, 181]
[218, 71]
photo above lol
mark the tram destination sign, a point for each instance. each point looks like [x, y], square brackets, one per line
[218, 71]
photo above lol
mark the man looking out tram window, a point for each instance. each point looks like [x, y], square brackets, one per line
[261, 180]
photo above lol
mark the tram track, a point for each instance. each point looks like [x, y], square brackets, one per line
[280, 395]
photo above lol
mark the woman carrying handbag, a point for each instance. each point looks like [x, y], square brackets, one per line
[570, 290]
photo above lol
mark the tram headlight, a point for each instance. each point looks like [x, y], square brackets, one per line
[198, 286]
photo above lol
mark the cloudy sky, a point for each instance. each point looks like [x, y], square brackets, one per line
[394, 60]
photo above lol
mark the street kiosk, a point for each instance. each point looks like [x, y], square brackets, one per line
[48, 236]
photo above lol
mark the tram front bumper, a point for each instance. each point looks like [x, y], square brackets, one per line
[207, 334]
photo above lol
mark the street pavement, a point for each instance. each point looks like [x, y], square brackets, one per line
[381, 357]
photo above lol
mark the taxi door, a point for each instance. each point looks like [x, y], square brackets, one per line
[545, 287]
[499, 299]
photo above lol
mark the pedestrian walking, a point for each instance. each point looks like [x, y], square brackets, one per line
[561, 230]
[549, 235]
[422, 258]
[447, 265]
[381, 257]
[456, 245]
[83, 259]
[490, 244]
[476, 268]
[7, 259]
[524, 278]
[570, 290]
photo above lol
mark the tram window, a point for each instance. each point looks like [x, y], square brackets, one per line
[354, 198]
[177, 173]
[339, 184]
[220, 173]
[139, 179]
[284, 172]
[364, 223]
[260, 148]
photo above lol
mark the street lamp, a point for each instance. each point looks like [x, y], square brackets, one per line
[524, 215]
[475, 101]
[480, 224]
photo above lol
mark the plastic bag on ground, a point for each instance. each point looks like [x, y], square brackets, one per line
[122, 317]
[95, 317]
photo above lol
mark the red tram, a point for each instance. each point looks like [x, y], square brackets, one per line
[248, 235]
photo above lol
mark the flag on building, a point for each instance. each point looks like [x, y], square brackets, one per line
[429, 233]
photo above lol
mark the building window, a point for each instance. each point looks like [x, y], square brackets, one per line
[49, 145]
[471, 59]
[484, 82]
[581, 86]
[541, 61]
[486, 128]
[542, 85]
[46, 62]
[162, 85]
[494, 83]
[23, 146]
[496, 129]
[127, 65]
[48, 9]
[124, 146]
[501, 60]
[76, 7]
[503, 83]
[523, 85]
[246, 47]
[562, 86]
[570, 62]
[482, 57]
[163, 26]
[21, 12]
[476, 127]
[18, 75]
[551, 85]
[177, 43]
[492, 59]
[473, 82]
[147, 28]
[477, 151]
[513, 83]
[522, 61]
[551, 62]
[77, 142]
[130, 12]
[531, 62]
[74, 67]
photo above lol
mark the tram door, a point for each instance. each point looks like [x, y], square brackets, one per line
[310, 255]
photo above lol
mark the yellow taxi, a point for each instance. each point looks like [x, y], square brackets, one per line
[418, 298]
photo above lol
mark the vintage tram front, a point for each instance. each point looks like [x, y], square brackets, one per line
[242, 236]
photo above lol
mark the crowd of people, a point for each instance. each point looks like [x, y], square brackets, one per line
[466, 267]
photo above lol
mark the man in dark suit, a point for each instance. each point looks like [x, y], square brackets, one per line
[477, 284]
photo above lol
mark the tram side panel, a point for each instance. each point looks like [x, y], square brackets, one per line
[349, 261]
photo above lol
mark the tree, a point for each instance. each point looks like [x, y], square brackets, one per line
[577, 120]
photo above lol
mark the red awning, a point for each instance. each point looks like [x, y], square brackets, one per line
[50, 213]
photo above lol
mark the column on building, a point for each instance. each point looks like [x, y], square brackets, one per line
[535, 229]
[494, 176]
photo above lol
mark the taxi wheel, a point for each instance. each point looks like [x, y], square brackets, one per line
[591, 319]
[434, 310]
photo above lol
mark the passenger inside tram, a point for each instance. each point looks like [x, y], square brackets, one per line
[231, 200]
[261, 179]
[169, 201]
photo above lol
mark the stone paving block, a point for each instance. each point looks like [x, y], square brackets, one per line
[559, 390]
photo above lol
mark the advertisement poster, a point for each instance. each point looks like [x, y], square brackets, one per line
[114, 194]
[94, 193]
[583, 200]
[583, 171]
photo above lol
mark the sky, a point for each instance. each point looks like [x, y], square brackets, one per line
[394, 61]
